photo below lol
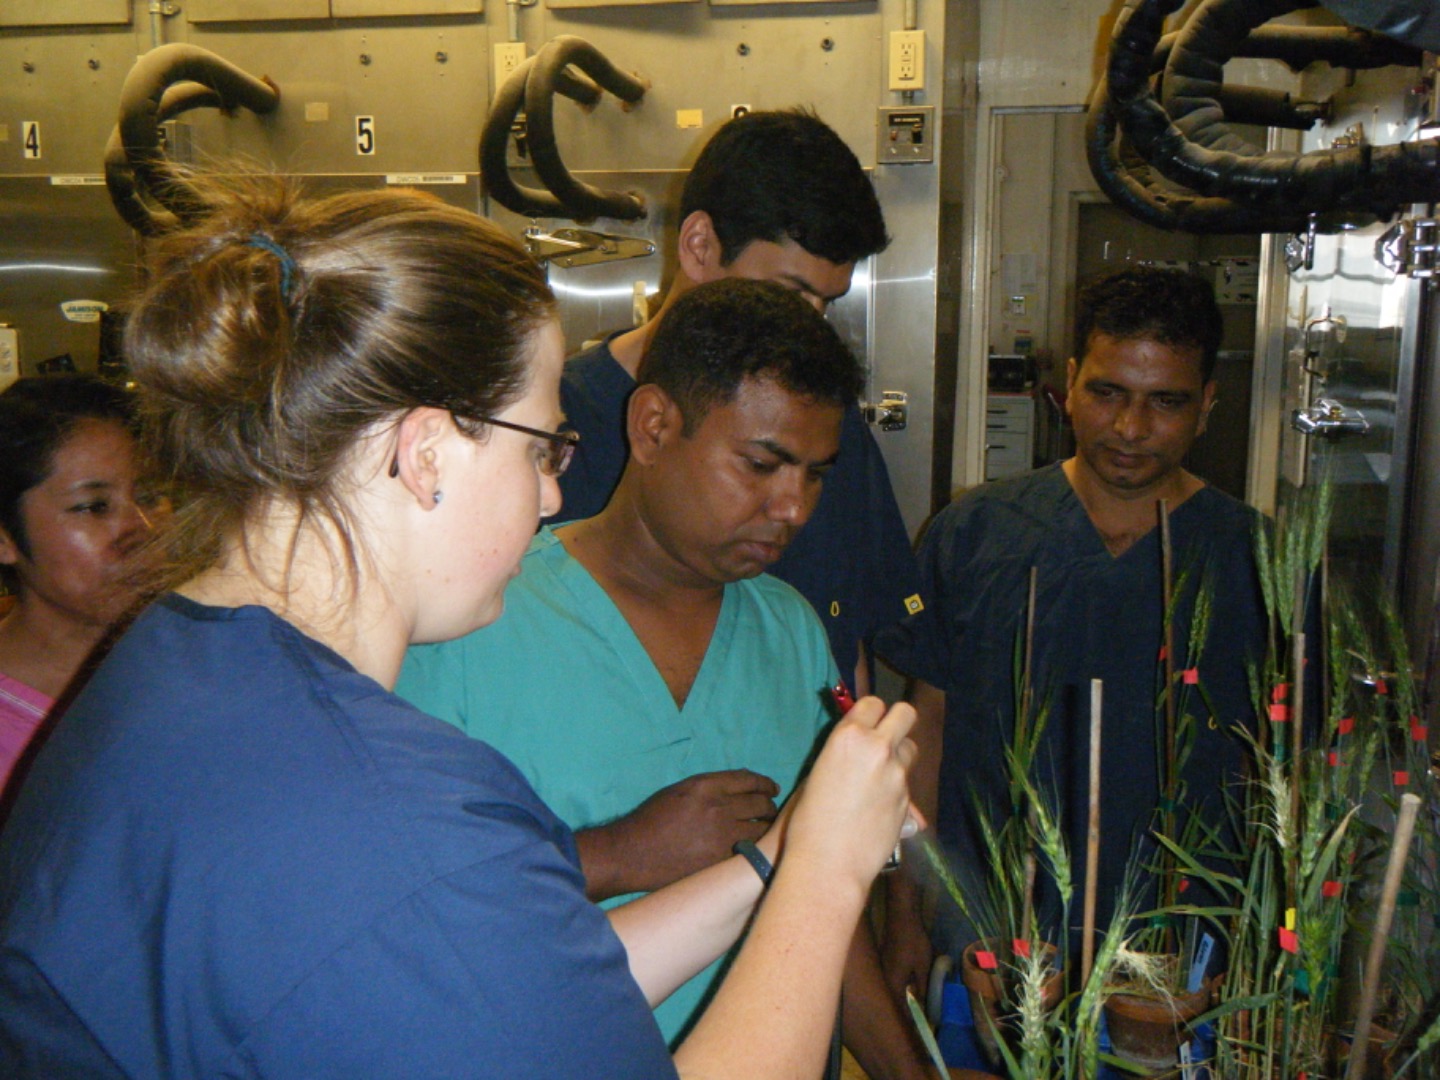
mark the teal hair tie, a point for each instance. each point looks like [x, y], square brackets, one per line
[287, 264]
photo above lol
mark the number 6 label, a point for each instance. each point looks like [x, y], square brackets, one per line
[364, 135]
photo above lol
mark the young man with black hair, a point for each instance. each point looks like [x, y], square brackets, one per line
[774, 196]
[658, 689]
[1140, 391]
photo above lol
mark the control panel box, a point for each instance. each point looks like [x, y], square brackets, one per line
[906, 135]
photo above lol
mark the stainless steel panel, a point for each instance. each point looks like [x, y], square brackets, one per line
[59, 244]
[243, 11]
[903, 327]
[1353, 338]
[735, 3]
[426, 82]
[64, 12]
[612, 3]
[427, 110]
[597, 299]
[354, 9]
[70, 84]
[693, 60]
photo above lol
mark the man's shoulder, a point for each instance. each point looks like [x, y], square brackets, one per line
[1036, 496]
[1221, 514]
[594, 372]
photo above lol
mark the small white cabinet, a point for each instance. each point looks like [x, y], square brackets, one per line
[1009, 434]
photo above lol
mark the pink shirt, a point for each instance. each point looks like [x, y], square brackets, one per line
[21, 710]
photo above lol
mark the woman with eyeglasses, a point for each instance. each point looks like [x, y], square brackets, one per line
[72, 512]
[239, 854]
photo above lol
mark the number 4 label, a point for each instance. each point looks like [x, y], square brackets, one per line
[30, 138]
[364, 135]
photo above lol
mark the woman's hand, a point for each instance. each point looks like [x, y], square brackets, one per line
[850, 813]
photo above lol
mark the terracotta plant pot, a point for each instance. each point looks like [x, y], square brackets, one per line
[1147, 1031]
[1379, 1063]
[992, 1013]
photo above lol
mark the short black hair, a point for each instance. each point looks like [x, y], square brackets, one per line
[725, 331]
[37, 415]
[785, 175]
[1164, 305]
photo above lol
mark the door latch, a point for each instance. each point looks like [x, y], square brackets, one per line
[891, 413]
[1329, 420]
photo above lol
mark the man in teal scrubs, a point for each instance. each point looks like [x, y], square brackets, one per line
[658, 689]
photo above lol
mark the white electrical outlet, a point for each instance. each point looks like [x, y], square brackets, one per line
[907, 59]
[509, 55]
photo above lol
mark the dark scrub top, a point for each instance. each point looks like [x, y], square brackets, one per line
[237, 856]
[1097, 616]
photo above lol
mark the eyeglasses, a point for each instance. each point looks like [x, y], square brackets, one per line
[559, 448]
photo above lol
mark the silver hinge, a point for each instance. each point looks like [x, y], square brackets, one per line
[1409, 247]
[583, 247]
[891, 413]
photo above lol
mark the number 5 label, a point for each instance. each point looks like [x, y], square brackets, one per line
[364, 135]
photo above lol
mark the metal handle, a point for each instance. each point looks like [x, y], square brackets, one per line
[891, 413]
[1329, 419]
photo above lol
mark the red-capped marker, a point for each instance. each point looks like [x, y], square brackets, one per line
[845, 701]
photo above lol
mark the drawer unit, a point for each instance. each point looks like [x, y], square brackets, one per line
[1009, 435]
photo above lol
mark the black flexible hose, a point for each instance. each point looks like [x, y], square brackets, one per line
[1364, 178]
[1147, 199]
[584, 201]
[134, 204]
[1299, 46]
[534, 85]
[495, 176]
[164, 83]
[495, 141]
[1195, 71]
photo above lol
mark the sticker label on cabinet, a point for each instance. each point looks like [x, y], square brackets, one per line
[84, 310]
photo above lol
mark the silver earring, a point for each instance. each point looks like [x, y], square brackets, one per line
[437, 497]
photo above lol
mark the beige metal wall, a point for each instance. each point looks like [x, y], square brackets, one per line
[426, 81]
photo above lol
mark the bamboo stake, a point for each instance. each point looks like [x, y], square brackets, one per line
[1092, 836]
[1297, 724]
[1168, 891]
[1167, 569]
[1027, 902]
[1394, 873]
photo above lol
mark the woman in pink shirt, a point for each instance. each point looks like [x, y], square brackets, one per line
[70, 514]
